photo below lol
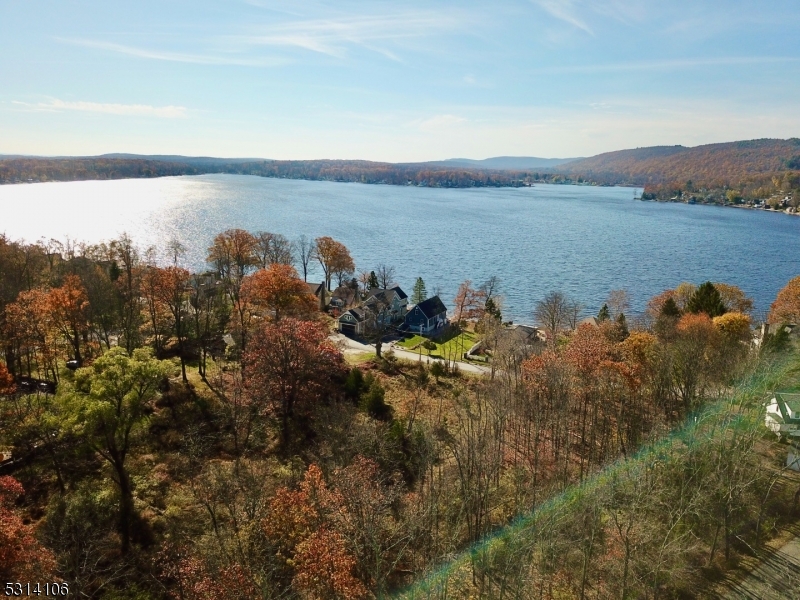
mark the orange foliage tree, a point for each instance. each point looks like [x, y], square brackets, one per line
[69, 307]
[280, 290]
[318, 562]
[21, 555]
[786, 308]
[234, 255]
[334, 258]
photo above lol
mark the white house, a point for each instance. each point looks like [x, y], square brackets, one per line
[783, 415]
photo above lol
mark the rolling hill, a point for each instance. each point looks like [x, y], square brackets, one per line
[711, 166]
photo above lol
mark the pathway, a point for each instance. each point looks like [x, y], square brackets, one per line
[351, 346]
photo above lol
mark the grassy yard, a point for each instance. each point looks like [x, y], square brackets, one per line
[451, 345]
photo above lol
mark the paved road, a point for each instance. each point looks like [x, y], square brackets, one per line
[351, 346]
[776, 578]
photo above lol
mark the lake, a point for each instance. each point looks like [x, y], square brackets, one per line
[582, 240]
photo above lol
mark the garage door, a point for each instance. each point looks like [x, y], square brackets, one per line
[348, 329]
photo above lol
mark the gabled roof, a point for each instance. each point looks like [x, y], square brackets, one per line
[400, 293]
[386, 295]
[358, 313]
[788, 404]
[432, 306]
[315, 288]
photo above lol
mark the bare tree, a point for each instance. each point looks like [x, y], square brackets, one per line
[385, 275]
[574, 310]
[552, 314]
[618, 301]
[273, 248]
[305, 252]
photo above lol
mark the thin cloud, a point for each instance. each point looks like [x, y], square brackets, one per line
[332, 36]
[564, 10]
[175, 56]
[127, 110]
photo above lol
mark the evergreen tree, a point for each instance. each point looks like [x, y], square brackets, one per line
[604, 314]
[372, 282]
[667, 320]
[622, 325]
[492, 309]
[420, 293]
[670, 309]
[706, 300]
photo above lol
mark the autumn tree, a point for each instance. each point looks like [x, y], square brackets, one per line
[618, 301]
[69, 308]
[22, 557]
[786, 308]
[694, 356]
[159, 319]
[279, 290]
[289, 368]
[469, 303]
[734, 299]
[171, 284]
[233, 254]
[334, 258]
[318, 560]
[108, 408]
[208, 316]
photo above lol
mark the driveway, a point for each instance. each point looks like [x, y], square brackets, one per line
[351, 346]
[776, 578]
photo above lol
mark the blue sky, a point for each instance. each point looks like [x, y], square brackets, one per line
[396, 81]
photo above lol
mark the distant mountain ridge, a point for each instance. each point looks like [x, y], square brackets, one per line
[752, 166]
[502, 163]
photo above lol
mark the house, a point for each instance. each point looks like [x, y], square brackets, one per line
[344, 297]
[382, 307]
[783, 415]
[389, 305]
[783, 418]
[318, 290]
[426, 317]
[353, 321]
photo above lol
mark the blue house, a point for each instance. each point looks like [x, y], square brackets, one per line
[427, 317]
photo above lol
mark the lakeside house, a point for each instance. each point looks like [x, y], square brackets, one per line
[783, 418]
[318, 290]
[344, 297]
[427, 317]
[381, 307]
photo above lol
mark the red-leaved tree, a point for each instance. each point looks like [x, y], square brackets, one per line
[289, 367]
[21, 556]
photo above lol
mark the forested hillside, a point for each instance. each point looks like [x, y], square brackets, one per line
[21, 170]
[198, 436]
[745, 166]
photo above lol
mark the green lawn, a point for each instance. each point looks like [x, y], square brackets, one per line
[451, 346]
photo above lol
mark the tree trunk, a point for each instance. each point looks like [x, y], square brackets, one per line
[125, 507]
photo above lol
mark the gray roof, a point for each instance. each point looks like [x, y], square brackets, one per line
[358, 313]
[432, 306]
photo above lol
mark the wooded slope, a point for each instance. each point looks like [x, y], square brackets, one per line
[712, 165]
